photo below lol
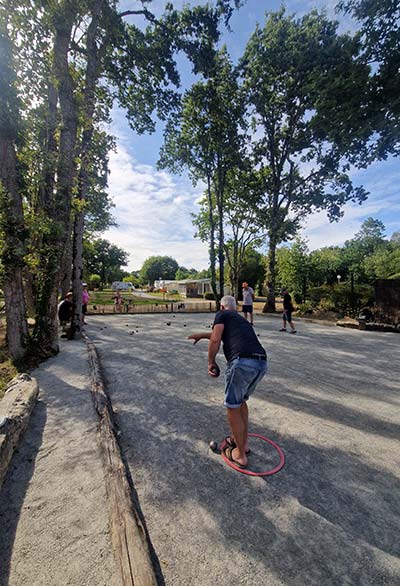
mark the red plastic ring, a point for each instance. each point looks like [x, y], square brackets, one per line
[267, 472]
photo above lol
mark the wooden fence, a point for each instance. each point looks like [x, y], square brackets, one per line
[159, 307]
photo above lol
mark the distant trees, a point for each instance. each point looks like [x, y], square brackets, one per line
[362, 259]
[104, 259]
[158, 267]
[184, 273]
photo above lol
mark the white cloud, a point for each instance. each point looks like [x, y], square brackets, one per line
[320, 232]
[153, 212]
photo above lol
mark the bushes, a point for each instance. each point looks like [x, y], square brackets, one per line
[304, 308]
[339, 298]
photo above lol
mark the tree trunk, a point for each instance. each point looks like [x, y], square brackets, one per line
[221, 254]
[94, 55]
[212, 244]
[57, 241]
[270, 306]
[12, 227]
[12, 251]
[77, 272]
[66, 270]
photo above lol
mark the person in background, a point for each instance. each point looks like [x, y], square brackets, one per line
[287, 312]
[118, 301]
[85, 301]
[248, 299]
[65, 314]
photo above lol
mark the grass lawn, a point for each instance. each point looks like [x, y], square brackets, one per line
[106, 297]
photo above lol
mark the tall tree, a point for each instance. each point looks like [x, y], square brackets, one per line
[207, 139]
[242, 220]
[12, 225]
[66, 49]
[294, 71]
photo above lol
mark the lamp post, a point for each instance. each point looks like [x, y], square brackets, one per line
[339, 278]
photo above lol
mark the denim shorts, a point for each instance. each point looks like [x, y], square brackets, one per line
[241, 378]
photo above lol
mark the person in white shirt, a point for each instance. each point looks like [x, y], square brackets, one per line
[248, 298]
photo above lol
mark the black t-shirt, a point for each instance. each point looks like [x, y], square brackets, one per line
[287, 302]
[65, 310]
[238, 337]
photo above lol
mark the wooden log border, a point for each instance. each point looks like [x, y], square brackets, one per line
[127, 532]
[15, 410]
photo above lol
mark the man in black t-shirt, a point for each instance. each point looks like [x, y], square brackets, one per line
[287, 312]
[246, 366]
[65, 314]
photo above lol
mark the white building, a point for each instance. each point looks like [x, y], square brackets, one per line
[186, 287]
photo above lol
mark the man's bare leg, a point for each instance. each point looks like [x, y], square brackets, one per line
[238, 427]
[245, 418]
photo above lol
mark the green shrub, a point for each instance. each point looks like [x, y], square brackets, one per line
[298, 298]
[94, 281]
[326, 304]
[339, 297]
[304, 308]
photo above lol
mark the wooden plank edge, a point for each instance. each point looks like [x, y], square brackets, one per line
[127, 532]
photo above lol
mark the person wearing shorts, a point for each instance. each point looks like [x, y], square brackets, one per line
[246, 366]
[248, 299]
[85, 300]
[287, 312]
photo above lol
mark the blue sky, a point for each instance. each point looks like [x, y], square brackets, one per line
[153, 209]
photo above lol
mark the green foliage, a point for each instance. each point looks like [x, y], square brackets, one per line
[184, 273]
[105, 259]
[304, 308]
[94, 281]
[355, 251]
[325, 265]
[158, 267]
[383, 263]
[253, 269]
[379, 24]
[341, 298]
[293, 267]
[300, 79]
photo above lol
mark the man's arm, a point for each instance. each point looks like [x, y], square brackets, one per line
[200, 336]
[213, 346]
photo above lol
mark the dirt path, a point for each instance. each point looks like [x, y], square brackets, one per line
[331, 517]
[53, 511]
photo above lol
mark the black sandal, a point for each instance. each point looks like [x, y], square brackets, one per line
[228, 454]
[229, 441]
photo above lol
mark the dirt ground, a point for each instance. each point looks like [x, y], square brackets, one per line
[331, 517]
[53, 509]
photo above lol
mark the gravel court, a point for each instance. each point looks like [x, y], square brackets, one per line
[330, 400]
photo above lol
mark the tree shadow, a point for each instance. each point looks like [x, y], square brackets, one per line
[15, 485]
[327, 518]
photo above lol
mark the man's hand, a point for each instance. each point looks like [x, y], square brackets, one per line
[213, 369]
